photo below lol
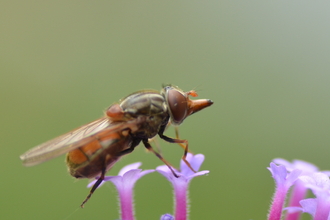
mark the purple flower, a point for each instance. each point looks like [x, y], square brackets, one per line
[299, 190]
[167, 217]
[181, 183]
[318, 207]
[284, 180]
[303, 176]
[124, 183]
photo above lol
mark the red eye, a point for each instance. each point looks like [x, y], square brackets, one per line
[177, 103]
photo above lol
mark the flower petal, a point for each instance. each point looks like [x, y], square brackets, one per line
[309, 206]
[128, 167]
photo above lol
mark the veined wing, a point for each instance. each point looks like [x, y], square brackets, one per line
[71, 140]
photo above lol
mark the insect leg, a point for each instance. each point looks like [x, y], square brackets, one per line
[134, 143]
[177, 137]
[96, 184]
[178, 141]
[148, 146]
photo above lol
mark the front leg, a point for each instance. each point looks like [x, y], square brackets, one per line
[177, 141]
[149, 147]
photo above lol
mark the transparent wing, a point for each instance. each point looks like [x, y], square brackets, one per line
[70, 141]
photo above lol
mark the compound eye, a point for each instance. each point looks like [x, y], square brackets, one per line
[177, 103]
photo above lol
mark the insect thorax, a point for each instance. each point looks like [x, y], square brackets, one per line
[148, 104]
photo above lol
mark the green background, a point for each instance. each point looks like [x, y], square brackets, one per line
[265, 64]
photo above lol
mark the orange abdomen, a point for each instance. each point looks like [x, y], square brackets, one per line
[102, 152]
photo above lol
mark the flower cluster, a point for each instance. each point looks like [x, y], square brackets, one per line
[301, 177]
[129, 174]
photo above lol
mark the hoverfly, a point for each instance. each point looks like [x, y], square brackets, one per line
[93, 149]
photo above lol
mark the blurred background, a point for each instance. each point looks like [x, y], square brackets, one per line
[265, 64]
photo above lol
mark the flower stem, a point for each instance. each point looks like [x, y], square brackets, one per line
[181, 202]
[298, 193]
[275, 212]
[126, 204]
